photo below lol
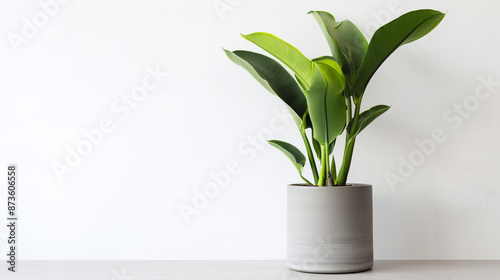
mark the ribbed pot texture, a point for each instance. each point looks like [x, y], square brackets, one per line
[330, 229]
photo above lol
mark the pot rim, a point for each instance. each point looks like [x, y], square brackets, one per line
[351, 185]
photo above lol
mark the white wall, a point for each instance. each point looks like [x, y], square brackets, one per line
[122, 200]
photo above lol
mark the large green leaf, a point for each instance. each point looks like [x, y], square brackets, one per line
[274, 77]
[295, 155]
[344, 39]
[286, 53]
[327, 23]
[405, 29]
[327, 57]
[366, 118]
[325, 102]
[353, 45]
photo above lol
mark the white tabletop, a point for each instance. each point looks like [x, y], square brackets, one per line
[242, 270]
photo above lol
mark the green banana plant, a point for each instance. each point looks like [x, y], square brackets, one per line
[325, 93]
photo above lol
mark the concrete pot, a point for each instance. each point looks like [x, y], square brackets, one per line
[330, 229]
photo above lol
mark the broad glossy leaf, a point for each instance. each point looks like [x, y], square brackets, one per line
[405, 29]
[286, 53]
[353, 45]
[325, 57]
[347, 40]
[366, 118]
[274, 77]
[336, 75]
[327, 23]
[325, 102]
[295, 155]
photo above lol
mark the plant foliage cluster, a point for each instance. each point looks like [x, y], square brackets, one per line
[325, 93]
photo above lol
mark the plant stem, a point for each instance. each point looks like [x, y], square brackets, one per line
[310, 156]
[349, 148]
[333, 169]
[346, 163]
[323, 176]
[307, 181]
[349, 109]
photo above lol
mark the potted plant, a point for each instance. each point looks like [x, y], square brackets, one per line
[329, 220]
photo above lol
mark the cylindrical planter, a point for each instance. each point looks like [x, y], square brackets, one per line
[330, 229]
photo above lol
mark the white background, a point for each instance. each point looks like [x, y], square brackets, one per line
[123, 199]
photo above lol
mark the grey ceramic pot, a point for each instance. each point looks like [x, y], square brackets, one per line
[330, 229]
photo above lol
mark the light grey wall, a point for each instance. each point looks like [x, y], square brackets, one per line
[70, 69]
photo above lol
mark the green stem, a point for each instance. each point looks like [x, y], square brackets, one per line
[307, 181]
[323, 176]
[349, 148]
[310, 155]
[346, 164]
[349, 109]
[333, 169]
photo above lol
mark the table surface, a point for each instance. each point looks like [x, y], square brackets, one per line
[242, 270]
